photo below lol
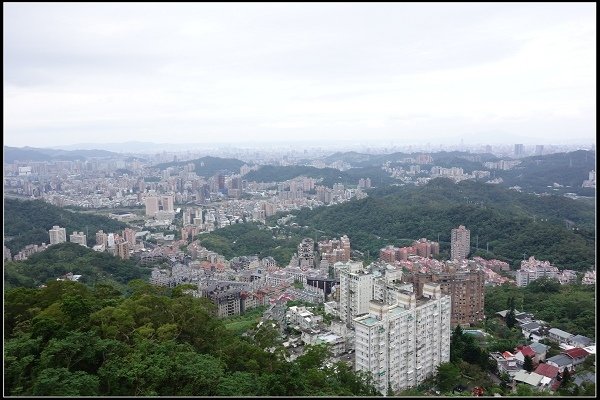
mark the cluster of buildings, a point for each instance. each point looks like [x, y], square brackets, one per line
[533, 269]
[421, 248]
[547, 371]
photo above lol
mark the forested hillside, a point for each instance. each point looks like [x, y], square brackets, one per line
[272, 173]
[538, 172]
[512, 224]
[249, 239]
[28, 221]
[567, 307]
[62, 258]
[70, 340]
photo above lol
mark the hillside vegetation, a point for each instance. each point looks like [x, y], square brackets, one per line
[70, 340]
[28, 221]
[272, 173]
[62, 258]
[567, 307]
[250, 239]
[512, 223]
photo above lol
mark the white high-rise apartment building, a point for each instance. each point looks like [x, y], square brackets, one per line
[356, 290]
[460, 243]
[79, 238]
[401, 345]
[57, 235]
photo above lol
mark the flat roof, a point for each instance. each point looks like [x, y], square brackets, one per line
[370, 321]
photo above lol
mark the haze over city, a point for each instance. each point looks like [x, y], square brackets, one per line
[258, 73]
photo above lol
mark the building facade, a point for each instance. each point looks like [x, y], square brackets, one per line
[460, 243]
[79, 238]
[402, 345]
[466, 288]
[57, 235]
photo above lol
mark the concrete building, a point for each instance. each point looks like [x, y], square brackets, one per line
[151, 203]
[355, 290]
[57, 235]
[167, 202]
[306, 253]
[123, 250]
[129, 235]
[101, 238]
[465, 286]
[401, 345]
[335, 250]
[79, 238]
[460, 243]
[518, 150]
[533, 269]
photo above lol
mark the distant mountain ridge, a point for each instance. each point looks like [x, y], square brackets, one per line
[12, 154]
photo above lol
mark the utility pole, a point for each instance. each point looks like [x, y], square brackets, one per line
[487, 247]
[477, 245]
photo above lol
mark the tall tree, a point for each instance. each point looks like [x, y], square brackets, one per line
[528, 364]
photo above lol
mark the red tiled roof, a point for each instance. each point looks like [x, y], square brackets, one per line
[576, 352]
[547, 370]
[528, 351]
[507, 354]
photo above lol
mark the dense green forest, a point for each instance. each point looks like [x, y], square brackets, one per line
[62, 258]
[28, 221]
[272, 173]
[71, 340]
[567, 307]
[208, 166]
[250, 239]
[511, 223]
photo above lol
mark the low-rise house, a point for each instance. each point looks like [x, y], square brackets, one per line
[302, 318]
[540, 350]
[538, 381]
[559, 336]
[578, 355]
[580, 341]
[506, 363]
[522, 352]
[548, 370]
[561, 361]
[530, 328]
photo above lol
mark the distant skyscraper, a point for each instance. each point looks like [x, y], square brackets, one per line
[57, 235]
[460, 243]
[167, 203]
[539, 149]
[518, 150]
[151, 205]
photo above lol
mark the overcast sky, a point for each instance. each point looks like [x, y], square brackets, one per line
[227, 72]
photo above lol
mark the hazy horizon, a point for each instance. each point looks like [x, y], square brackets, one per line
[204, 73]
